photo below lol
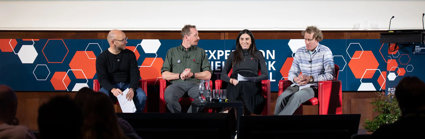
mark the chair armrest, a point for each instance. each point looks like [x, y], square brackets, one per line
[265, 91]
[283, 84]
[330, 97]
[162, 86]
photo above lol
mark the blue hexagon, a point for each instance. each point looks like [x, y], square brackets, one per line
[55, 51]
[41, 72]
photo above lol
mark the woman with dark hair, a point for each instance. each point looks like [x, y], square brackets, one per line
[244, 82]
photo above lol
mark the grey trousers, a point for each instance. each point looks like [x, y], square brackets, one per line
[291, 99]
[177, 90]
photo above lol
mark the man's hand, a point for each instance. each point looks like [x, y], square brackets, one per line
[116, 91]
[130, 94]
[301, 79]
[185, 74]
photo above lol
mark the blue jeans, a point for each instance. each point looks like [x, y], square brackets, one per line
[139, 97]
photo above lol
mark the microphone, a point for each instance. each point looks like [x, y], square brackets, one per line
[389, 27]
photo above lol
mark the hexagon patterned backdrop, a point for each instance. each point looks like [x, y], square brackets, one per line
[70, 64]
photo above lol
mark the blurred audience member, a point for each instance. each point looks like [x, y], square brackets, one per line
[410, 94]
[61, 118]
[9, 128]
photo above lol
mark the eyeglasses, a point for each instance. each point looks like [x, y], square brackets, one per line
[125, 39]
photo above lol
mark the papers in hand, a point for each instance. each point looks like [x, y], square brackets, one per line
[127, 106]
[242, 78]
[302, 86]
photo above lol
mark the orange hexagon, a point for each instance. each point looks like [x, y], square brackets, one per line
[5, 46]
[284, 71]
[401, 71]
[57, 80]
[391, 65]
[381, 79]
[85, 63]
[366, 61]
[153, 72]
[133, 48]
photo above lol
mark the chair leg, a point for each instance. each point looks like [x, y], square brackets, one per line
[117, 108]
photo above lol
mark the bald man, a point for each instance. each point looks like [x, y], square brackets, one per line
[117, 70]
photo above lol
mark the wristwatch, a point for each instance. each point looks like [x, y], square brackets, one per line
[311, 79]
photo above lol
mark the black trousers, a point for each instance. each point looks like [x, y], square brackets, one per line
[250, 95]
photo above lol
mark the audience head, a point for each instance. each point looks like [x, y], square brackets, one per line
[410, 94]
[8, 105]
[60, 117]
[312, 36]
[100, 120]
[190, 35]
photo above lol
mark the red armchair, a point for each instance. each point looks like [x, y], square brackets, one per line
[143, 84]
[184, 101]
[265, 91]
[329, 96]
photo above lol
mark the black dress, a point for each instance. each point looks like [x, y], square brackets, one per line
[249, 92]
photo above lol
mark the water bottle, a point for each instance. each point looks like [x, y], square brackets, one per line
[201, 91]
[207, 92]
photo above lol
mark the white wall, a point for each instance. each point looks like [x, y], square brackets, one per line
[211, 15]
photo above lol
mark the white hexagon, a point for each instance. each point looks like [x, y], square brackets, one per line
[392, 76]
[345, 62]
[150, 45]
[93, 45]
[64, 77]
[27, 54]
[295, 44]
[44, 65]
[410, 68]
[346, 50]
[366, 87]
[380, 74]
[78, 86]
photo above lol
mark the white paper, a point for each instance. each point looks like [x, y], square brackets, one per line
[302, 86]
[127, 106]
[241, 78]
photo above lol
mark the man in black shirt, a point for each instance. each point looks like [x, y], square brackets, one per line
[117, 70]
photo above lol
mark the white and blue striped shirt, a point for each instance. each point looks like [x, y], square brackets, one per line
[319, 64]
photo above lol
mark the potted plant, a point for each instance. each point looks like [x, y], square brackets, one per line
[388, 109]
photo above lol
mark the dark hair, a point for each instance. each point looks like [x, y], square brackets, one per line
[410, 94]
[186, 30]
[100, 120]
[318, 35]
[60, 117]
[238, 54]
[8, 105]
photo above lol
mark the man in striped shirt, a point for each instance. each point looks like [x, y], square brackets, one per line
[311, 64]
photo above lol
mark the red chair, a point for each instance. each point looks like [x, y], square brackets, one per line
[143, 84]
[329, 96]
[184, 101]
[265, 91]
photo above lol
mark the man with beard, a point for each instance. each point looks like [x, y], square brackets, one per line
[184, 66]
[117, 70]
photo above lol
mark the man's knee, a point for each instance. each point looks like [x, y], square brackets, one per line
[169, 94]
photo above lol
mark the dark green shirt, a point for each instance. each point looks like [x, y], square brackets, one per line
[178, 59]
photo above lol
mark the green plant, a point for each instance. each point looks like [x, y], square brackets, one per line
[388, 109]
